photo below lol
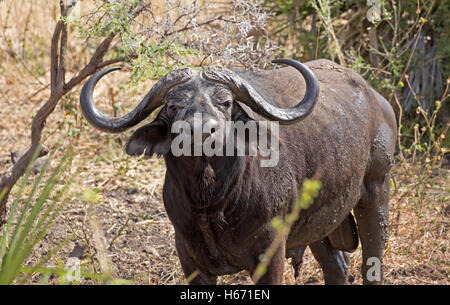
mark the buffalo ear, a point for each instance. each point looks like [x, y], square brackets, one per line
[153, 138]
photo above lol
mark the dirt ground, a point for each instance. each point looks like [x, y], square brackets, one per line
[127, 231]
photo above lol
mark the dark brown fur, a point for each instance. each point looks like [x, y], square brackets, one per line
[221, 207]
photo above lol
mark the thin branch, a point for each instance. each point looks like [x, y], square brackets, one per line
[54, 56]
[36, 92]
[110, 62]
[187, 27]
[92, 66]
[61, 76]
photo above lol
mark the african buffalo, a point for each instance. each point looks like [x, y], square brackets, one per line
[221, 206]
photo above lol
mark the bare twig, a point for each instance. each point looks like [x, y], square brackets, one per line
[399, 130]
[188, 27]
[36, 92]
[322, 8]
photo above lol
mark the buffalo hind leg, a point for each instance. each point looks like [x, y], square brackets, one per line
[333, 262]
[190, 269]
[371, 214]
[296, 256]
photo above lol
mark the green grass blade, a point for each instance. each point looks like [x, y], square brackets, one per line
[44, 259]
[48, 187]
[31, 195]
[23, 242]
[44, 220]
[12, 212]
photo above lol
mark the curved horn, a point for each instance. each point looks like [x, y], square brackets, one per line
[149, 103]
[249, 96]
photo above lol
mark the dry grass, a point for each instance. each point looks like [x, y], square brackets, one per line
[137, 237]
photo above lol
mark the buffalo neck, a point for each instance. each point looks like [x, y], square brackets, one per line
[209, 184]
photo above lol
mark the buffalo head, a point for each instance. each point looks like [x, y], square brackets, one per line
[219, 94]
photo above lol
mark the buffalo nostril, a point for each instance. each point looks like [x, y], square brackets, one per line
[209, 128]
[205, 135]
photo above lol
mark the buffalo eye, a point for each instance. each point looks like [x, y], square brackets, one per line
[172, 108]
[226, 104]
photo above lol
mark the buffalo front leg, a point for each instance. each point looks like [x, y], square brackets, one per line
[190, 268]
[371, 214]
[274, 270]
[332, 261]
